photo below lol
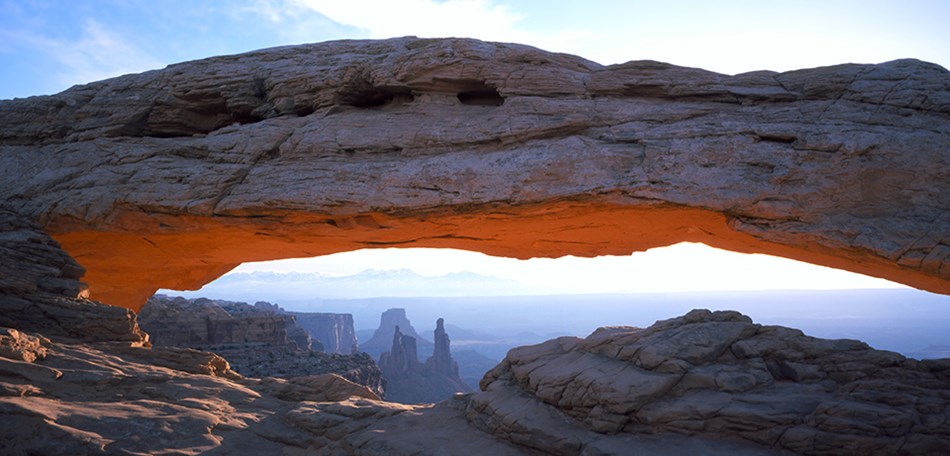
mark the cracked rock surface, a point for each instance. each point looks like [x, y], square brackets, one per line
[715, 375]
[499, 148]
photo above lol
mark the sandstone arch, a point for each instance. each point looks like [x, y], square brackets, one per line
[170, 178]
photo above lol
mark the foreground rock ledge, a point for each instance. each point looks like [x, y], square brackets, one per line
[500, 148]
[703, 383]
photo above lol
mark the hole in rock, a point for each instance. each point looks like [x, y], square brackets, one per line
[492, 304]
[377, 97]
[483, 96]
[782, 138]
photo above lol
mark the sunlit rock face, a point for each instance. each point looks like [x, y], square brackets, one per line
[40, 290]
[499, 148]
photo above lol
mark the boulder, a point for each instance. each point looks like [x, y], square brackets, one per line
[718, 375]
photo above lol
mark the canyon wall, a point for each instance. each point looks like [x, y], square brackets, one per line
[505, 149]
[259, 340]
[202, 323]
[334, 331]
[41, 290]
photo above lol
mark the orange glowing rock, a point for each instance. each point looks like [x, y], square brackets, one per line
[168, 179]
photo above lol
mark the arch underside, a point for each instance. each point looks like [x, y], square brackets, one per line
[125, 268]
[170, 178]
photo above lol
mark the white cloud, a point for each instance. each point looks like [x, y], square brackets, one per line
[482, 19]
[423, 18]
[98, 53]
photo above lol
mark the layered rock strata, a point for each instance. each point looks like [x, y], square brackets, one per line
[260, 340]
[717, 374]
[41, 290]
[410, 382]
[499, 148]
[202, 323]
[335, 331]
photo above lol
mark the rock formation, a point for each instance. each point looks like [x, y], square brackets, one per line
[500, 148]
[441, 361]
[383, 338]
[707, 382]
[714, 375]
[402, 358]
[203, 323]
[41, 291]
[704, 383]
[410, 382]
[260, 340]
[335, 331]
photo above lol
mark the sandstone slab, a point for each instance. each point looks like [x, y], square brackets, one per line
[718, 375]
[499, 148]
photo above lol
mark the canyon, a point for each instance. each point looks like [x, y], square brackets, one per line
[170, 178]
[260, 340]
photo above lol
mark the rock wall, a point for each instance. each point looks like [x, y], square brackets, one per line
[260, 340]
[334, 331]
[41, 290]
[203, 323]
[500, 148]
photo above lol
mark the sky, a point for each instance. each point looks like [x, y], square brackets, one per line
[48, 46]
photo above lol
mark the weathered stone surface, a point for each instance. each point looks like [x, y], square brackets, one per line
[99, 398]
[41, 291]
[317, 388]
[725, 386]
[260, 340]
[203, 323]
[500, 148]
[23, 347]
[718, 375]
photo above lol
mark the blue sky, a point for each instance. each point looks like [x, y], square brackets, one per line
[48, 46]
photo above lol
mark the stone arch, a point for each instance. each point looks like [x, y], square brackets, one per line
[169, 178]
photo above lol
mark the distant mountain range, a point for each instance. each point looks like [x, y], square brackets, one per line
[297, 286]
